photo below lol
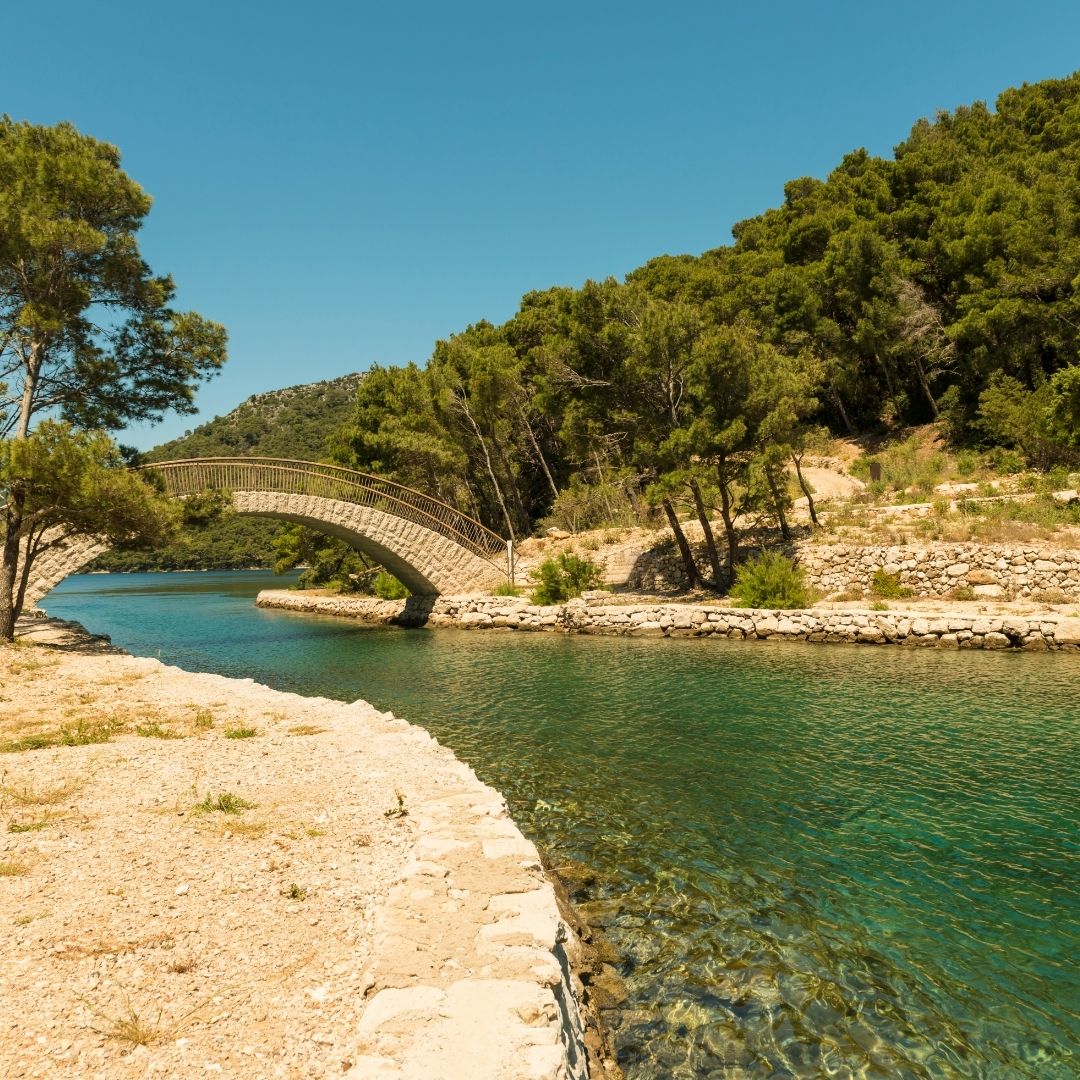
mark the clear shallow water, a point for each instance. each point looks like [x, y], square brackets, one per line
[817, 861]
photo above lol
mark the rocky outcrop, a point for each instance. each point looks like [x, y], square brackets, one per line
[597, 615]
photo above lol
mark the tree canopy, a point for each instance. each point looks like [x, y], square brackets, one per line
[942, 283]
[87, 333]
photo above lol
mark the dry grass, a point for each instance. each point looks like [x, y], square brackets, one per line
[251, 830]
[306, 729]
[30, 794]
[13, 868]
[157, 730]
[113, 947]
[143, 1026]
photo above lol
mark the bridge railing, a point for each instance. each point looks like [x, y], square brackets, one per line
[330, 482]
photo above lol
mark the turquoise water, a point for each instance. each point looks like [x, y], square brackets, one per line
[816, 861]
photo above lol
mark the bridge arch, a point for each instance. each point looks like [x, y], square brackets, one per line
[425, 543]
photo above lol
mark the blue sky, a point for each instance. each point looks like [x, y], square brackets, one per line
[343, 184]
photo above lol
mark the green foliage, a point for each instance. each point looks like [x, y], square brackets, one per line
[771, 580]
[329, 563]
[224, 803]
[564, 577]
[387, 587]
[886, 586]
[507, 589]
[939, 284]
[584, 505]
[908, 468]
[69, 256]
[242, 732]
[60, 482]
[88, 339]
[290, 423]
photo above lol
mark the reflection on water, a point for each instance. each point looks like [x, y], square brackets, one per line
[817, 861]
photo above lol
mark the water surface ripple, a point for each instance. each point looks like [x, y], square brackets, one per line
[816, 861]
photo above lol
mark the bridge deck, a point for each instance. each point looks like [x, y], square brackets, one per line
[285, 476]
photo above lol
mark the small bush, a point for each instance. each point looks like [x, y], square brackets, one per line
[387, 587]
[564, 577]
[771, 581]
[507, 589]
[887, 586]
[962, 592]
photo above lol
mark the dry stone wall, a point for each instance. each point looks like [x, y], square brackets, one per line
[595, 615]
[991, 571]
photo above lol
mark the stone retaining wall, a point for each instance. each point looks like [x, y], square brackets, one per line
[595, 615]
[990, 571]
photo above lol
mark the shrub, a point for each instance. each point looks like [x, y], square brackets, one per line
[387, 587]
[507, 589]
[771, 581]
[887, 586]
[564, 577]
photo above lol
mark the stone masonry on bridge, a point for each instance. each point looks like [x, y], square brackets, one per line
[425, 561]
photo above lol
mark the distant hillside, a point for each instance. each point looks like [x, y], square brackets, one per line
[291, 423]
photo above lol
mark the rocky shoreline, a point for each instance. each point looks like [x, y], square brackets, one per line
[598, 613]
[372, 911]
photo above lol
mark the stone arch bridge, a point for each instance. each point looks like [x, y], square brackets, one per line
[430, 547]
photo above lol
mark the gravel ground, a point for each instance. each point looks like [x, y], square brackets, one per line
[200, 893]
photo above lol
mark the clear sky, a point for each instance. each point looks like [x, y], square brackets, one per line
[342, 184]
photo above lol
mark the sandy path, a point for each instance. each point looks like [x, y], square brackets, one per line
[147, 931]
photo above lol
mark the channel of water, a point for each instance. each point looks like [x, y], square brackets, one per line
[814, 860]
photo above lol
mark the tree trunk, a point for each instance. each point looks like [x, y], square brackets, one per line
[10, 593]
[778, 503]
[31, 551]
[512, 486]
[600, 475]
[706, 528]
[539, 453]
[726, 506]
[464, 406]
[9, 567]
[797, 459]
[921, 373]
[834, 397]
[693, 579]
[887, 372]
[26, 406]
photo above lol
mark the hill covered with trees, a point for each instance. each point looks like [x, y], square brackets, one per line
[942, 283]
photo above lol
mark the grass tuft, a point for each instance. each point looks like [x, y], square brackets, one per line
[306, 729]
[82, 734]
[156, 731]
[26, 795]
[224, 803]
[241, 733]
